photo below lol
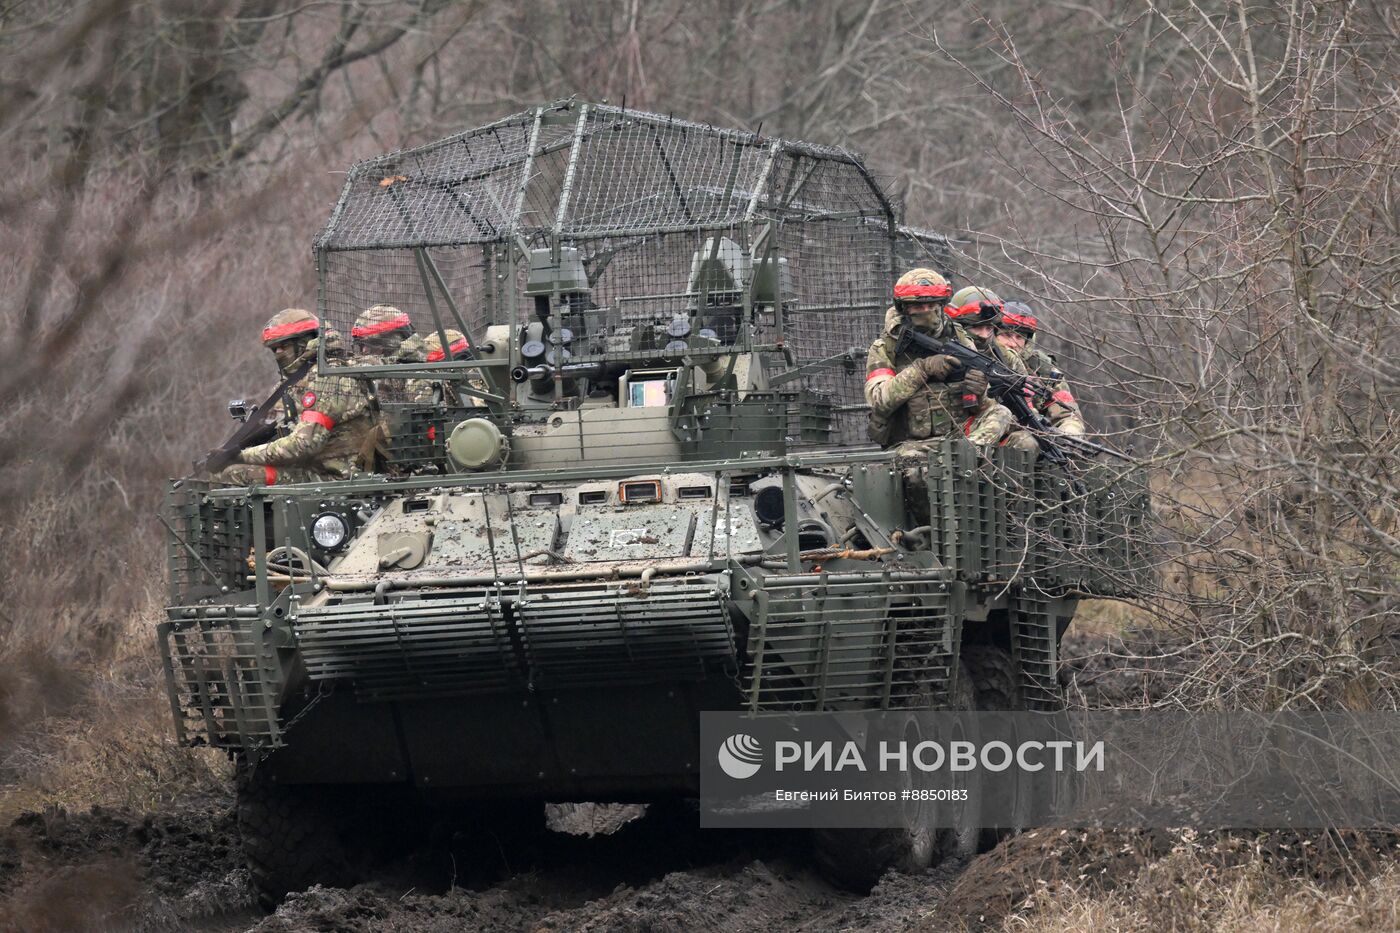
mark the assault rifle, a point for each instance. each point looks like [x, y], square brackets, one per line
[1014, 390]
[259, 424]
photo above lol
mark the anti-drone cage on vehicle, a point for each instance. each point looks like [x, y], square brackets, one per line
[618, 221]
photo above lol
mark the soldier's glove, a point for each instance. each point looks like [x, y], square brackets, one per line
[974, 388]
[937, 368]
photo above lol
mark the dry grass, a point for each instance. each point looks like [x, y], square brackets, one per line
[1186, 892]
[88, 732]
[1110, 617]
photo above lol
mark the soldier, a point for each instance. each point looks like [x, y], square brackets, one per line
[336, 422]
[294, 332]
[441, 390]
[978, 311]
[1016, 336]
[911, 399]
[379, 337]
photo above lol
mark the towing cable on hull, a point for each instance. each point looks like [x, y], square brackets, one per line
[594, 573]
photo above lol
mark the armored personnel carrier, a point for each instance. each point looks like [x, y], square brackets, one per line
[647, 494]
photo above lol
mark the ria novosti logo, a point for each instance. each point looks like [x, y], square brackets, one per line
[740, 756]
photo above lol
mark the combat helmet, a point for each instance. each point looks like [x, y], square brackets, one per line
[289, 324]
[381, 328]
[1016, 315]
[457, 343]
[333, 342]
[975, 305]
[921, 286]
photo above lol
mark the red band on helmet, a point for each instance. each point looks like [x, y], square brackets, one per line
[319, 417]
[437, 356]
[876, 374]
[269, 476]
[383, 327]
[1063, 397]
[923, 291]
[972, 307]
[289, 330]
[1019, 320]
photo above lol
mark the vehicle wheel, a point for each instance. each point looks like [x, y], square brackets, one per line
[856, 859]
[291, 839]
[961, 839]
[995, 681]
[996, 687]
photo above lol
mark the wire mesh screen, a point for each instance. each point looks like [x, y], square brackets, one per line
[914, 247]
[642, 173]
[676, 227]
[355, 281]
[463, 189]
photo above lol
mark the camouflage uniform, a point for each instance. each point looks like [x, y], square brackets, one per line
[973, 307]
[414, 349]
[907, 411]
[335, 417]
[1062, 410]
[381, 335]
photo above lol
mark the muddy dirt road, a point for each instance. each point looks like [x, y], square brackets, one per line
[182, 869]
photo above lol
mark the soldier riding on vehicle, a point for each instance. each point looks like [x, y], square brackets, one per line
[384, 334]
[637, 488]
[1016, 336]
[443, 391]
[335, 417]
[913, 398]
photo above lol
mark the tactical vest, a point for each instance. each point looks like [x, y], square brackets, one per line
[933, 411]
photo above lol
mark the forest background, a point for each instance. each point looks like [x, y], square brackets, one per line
[1200, 198]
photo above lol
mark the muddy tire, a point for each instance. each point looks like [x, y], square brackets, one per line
[996, 687]
[291, 839]
[856, 859]
[995, 679]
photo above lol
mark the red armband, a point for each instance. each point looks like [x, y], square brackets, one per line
[1063, 397]
[316, 417]
[269, 476]
[879, 372]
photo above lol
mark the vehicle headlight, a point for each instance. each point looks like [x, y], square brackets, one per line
[329, 530]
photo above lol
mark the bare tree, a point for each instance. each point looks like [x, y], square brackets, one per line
[1225, 272]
